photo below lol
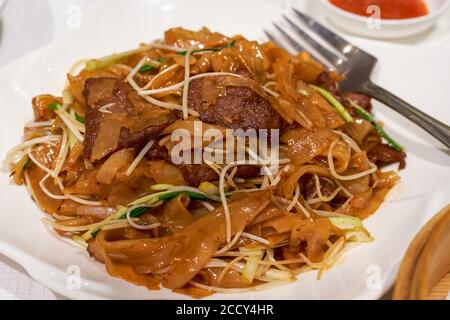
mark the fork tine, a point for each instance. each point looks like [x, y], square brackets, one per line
[342, 45]
[297, 46]
[324, 52]
[272, 38]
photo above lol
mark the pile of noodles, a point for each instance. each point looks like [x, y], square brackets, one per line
[245, 234]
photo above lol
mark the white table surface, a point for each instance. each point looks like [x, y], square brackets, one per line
[26, 25]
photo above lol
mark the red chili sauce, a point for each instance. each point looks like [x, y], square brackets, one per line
[390, 9]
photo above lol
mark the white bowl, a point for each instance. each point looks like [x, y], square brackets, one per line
[383, 28]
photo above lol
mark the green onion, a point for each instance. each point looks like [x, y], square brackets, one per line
[230, 45]
[380, 131]
[335, 103]
[79, 118]
[27, 164]
[171, 195]
[146, 68]
[54, 106]
[136, 212]
[114, 58]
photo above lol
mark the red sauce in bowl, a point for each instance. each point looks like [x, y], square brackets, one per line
[390, 9]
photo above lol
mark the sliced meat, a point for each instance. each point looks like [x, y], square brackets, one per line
[156, 152]
[112, 108]
[195, 174]
[231, 107]
[360, 99]
[324, 80]
[382, 155]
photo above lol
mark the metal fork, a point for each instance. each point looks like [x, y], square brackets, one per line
[356, 65]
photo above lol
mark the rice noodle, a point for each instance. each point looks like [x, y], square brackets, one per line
[352, 143]
[149, 84]
[349, 177]
[16, 153]
[36, 162]
[47, 192]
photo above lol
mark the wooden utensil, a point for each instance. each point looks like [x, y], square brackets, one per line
[425, 269]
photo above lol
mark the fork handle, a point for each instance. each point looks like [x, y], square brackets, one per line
[436, 128]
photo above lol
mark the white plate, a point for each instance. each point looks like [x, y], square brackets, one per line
[109, 26]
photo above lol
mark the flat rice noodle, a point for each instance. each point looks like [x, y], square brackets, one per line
[361, 199]
[88, 185]
[71, 172]
[253, 57]
[268, 213]
[386, 181]
[313, 102]
[231, 279]
[282, 224]
[141, 171]
[46, 155]
[315, 233]
[47, 204]
[78, 221]
[204, 38]
[121, 194]
[40, 107]
[108, 136]
[174, 213]
[194, 292]
[275, 54]
[188, 250]
[228, 60]
[75, 153]
[95, 211]
[306, 69]
[358, 163]
[117, 269]
[286, 186]
[68, 208]
[341, 156]
[358, 130]
[163, 172]
[118, 160]
[168, 78]
[303, 145]
[76, 83]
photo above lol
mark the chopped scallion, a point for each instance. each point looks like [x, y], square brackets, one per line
[334, 102]
[380, 131]
[230, 45]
